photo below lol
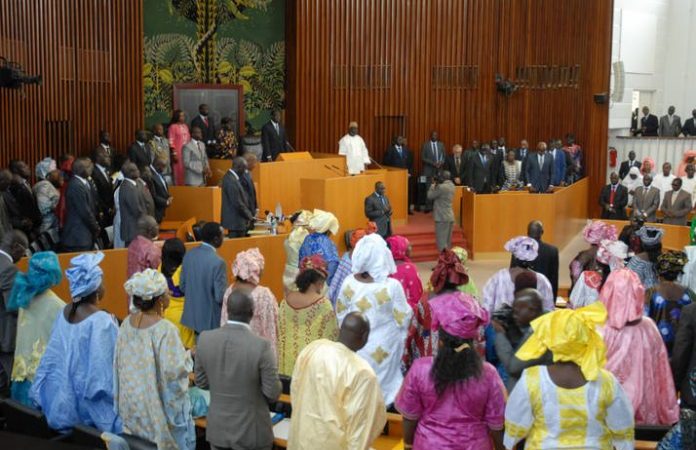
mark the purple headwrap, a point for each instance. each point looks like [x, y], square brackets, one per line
[523, 248]
[459, 314]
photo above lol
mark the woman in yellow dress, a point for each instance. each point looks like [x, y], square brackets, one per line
[173, 252]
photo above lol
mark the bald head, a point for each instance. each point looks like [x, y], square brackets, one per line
[240, 306]
[355, 330]
[148, 227]
[15, 244]
[535, 229]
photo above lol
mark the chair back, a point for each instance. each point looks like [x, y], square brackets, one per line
[21, 419]
[185, 230]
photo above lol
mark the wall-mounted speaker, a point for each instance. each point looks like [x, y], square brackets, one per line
[601, 98]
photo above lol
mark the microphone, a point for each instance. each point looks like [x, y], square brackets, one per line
[339, 169]
[291, 147]
[334, 169]
[375, 162]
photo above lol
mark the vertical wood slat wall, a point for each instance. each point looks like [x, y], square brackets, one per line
[89, 53]
[415, 39]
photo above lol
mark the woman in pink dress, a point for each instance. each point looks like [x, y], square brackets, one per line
[406, 271]
[178, 135]
[454, 400]
[636, 354]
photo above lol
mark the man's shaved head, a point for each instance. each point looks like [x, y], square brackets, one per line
[355, 330]
[535, 229]
[240, 306]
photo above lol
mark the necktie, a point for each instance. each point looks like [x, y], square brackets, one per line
[611, 196]
[434, 147]
[483, 160]
[384, 203]
[277, 128]
[456, 163]
[205, 121]
[398, 149]
[541, 161]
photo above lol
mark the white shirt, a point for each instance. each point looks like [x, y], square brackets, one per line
[235, 322]
[233, 173]
[689, 184]
[82, 179]
[7, 255]
[664, 184]
[355, 151]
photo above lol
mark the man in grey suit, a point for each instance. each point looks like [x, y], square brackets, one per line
[539, 170]
[14, 245]
[378, 210]
[196, 165]
[646, 200]
[240, 370]
[670, 124]
[440, 193]
[676, 205]
[237, 216]
[204, 281]
[433, 158]
[131, 202]
[80, 230]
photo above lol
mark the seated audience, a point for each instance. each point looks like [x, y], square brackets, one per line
[468, 287]
[383, 302]
[318, 242]
[594, 233]
[665, 301]
[646, 200]
[643, 262]
[509, 337]
[143, 253]
[406, 272]
[613, 199]
[292, 244]
[663, 181]
[247, 270]
[421, 338]
[512, 172]
[151, 369]
[305, 315]
[336, 409]
[454, 399]
[631, 182]
[204, 281]
[81, 229]
[345, 264]
[498, 291]
[173, 252]
[20, 201]
[636, 354]
[74, 382]
[676, 204]
[581, 394]
[239, 368]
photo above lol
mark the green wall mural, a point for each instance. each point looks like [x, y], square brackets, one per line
[214, 41]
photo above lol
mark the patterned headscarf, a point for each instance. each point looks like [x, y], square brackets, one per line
[248, 265]
[650, 236]
[612, 253]
[672, 261]
[450, 270]
[596, 231]
[624, 297]
[323, 221]
[44, 272]
[360, 233]
[299, 228]
[84, 275]
[571, 335]
[45, 166]
[315, 262]
[399, 247]
[459, 314]
[147, 285]
[523, 248]
[371, 255]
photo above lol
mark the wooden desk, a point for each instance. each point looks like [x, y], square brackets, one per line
[115, 267]
[676, 237]
[490, 220]
[203, 203]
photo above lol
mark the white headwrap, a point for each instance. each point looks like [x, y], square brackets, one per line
[372, 255]
[147, 284]
[632, 184]
[323, 221]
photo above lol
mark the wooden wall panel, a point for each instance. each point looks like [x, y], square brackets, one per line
[89, 53]
[430, 65]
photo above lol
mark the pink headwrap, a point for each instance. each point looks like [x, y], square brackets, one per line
[624, 296]
[248, 265]
[595, 231]
[399, 247]
[458, 314]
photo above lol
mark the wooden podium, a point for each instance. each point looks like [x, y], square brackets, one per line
[203, 203]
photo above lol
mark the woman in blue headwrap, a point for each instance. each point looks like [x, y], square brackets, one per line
[74, 383]
[38, 307]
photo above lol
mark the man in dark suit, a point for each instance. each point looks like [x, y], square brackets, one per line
[521, 155]
[236, 214]
[613, 199]
[105, 143]
[454, 163]
[433, 156]
[207, 126]
[158, 188]
[13, 246]
[378, 210]
[546, 262]
[239, 368]
[683, 360]
[398, 155]
[248, 182]
[138, 152]
[274, 141]
[539, 170]
[480, 174]
[80, 230]
[628, 164]
[204, 281]
[648, 123]
[20, 201]
[559, 163]
[105, 188]
[131, 202]
[689, 128]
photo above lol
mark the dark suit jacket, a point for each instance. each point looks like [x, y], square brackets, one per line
[559, 168]
[272, 142]
[479, 177]
[236, 212]
[379, 213]
[428, 157]
[248, 185]
[689, 128]
[547, 263]
[160, 193]
[518, 154]
[8, 319]
[539, 177]
[392, 158]
[626, 166]
[240, 370]
[105, 197]
[209, 131]
[21, 204]
[452, 168]
[620, 202]
[650, 123]
[203, 281]
[132, 207]
[140, 156]
[683, 359]
[80, 228]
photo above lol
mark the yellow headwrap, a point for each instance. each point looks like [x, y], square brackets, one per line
[299, 230]
[571, 336]
[323, 221]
